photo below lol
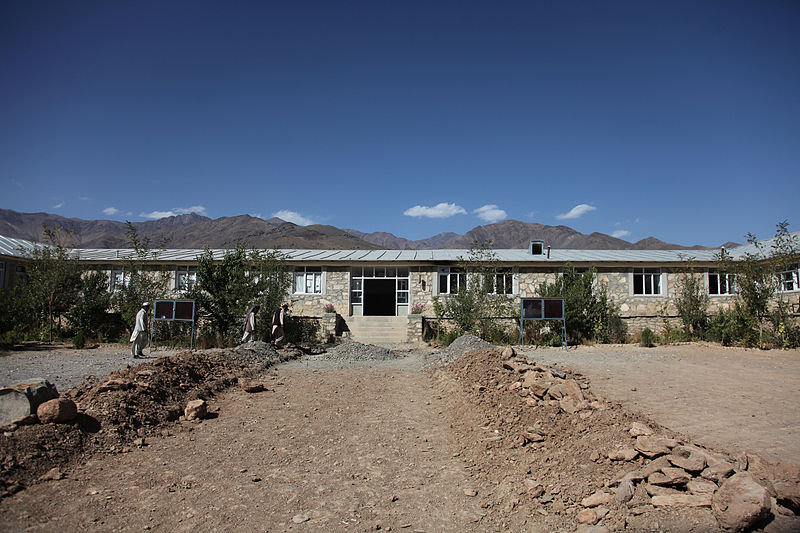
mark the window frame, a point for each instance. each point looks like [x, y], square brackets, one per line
[187, 273]
[449, 274]
[648, 273]
[309, 273]
[124, 276]
[789, 276]
[725, 282]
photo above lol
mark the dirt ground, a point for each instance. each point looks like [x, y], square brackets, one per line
[405, 445]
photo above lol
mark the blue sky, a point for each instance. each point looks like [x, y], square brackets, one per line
[676, 119]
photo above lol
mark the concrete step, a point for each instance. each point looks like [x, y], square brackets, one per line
[378, 329]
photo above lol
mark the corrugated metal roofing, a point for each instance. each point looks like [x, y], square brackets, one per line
[11, 247]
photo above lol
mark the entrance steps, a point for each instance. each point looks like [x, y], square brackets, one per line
[378, 329]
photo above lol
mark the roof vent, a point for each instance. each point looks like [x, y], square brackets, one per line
[536, 248]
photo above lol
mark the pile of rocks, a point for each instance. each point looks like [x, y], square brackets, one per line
[670, 472]
[32, 402]
[545, 385]
[355, 351]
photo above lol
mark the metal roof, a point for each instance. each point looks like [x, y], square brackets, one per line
[19, 248]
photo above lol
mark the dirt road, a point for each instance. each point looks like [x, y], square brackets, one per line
[388, 445]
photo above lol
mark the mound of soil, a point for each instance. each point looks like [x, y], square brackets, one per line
[564, 456]
[126, 406]
[356, 351]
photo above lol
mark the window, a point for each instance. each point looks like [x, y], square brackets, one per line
[119, 278]
[789, 279]
[501, 282]
[647, 281]
[20, 275]
[185, 278]
[2, 274]
[451, 279]
[721, 282]
[307, 280]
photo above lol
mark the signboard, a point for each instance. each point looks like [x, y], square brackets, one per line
[543, 308]
[173, 311]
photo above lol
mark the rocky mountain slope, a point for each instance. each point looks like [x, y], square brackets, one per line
[196, 231]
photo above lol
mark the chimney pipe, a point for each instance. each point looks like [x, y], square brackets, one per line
[548, 252]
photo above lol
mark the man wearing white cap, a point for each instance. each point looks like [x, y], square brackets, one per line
[139, 335]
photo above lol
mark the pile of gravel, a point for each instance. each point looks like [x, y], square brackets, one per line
[462, 345]
[355, 351]
[256, 351]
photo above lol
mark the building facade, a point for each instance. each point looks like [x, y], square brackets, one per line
[360, 284]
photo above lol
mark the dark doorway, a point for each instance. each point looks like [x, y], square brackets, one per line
[379, 297]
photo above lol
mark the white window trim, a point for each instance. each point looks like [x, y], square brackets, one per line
[126, 278]
[439, 271]
[188, 270]
[323, 280]
[731, 280]
[794, 272]
[662, 282]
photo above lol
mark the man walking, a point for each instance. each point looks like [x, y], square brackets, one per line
[278, 323]
[139, 335]
[250, 324]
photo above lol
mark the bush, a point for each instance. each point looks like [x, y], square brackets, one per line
[79, 340]
[648, 339]
[734, 326]
[301, 330]
[448, 337]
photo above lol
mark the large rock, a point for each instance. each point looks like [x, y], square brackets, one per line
[640, 430]
[596, 499]
[782, 480]
[57, 411]
[669, 476]
[625, 492]
[573, 390]
[39, 391]
[14, 404]
[741, 504]
[623, 454]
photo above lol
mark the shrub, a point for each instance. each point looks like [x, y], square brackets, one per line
[79, 340]
[734, 326]
[692, 304]
[301, 330]
[648, 338]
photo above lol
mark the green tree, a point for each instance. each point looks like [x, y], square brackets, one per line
[53, 278]
[88, 315]
[477, 304]
[692, 301]
[228, 287]
[758, 279]
[145, 280]
[589, 312]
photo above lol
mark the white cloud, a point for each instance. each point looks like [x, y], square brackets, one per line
[490, 213]
[621, 233]
[441, 210]
[59, 205]
[155, 215]
[110, 211]
[293, 217]
[577, 211]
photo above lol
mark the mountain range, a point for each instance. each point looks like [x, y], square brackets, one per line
[197, 231]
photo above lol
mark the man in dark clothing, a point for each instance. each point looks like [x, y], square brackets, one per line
[278, 323]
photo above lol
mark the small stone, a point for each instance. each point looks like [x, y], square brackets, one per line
[598, 498]
[196, 409]
[587, 516]
[682, 500]
[533, 488]
[669, 476]
[623, 454]
[573, 390]
[470, 492]
[54, 474]
[508, 353]
[687, 459]
[624, 492]
[300, 518]
[653, 446]
[640, 430]
[701, 486]
[250, 386]
[717, 472]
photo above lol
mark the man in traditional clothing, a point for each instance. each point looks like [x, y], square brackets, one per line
[278, 323]
[139, 335]
[250, 324]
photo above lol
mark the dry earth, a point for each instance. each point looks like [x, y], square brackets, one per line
[392, 442]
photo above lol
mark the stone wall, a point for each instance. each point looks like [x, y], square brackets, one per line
[337, 292]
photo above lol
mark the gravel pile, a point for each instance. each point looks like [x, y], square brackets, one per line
[256, 351]
[462, 345]
[355, 351]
